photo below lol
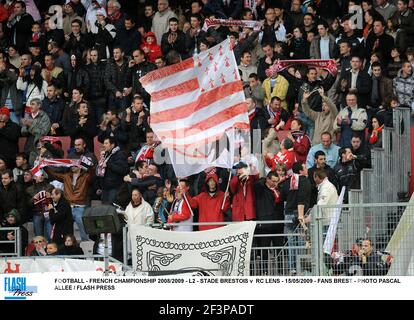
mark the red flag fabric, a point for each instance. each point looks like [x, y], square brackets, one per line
[193, 103]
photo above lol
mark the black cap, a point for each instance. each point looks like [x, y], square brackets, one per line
[240, 165]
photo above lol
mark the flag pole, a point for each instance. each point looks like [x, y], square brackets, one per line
[227, 191]
[188, 204]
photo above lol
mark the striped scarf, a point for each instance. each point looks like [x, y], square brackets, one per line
[101, 168]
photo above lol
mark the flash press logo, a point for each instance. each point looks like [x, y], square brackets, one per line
[17, 288]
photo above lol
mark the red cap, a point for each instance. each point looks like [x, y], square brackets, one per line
[5, 111]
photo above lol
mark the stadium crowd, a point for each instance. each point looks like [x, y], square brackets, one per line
[72, 69]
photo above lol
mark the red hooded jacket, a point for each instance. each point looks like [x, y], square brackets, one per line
[244, 207]
[209, 207]
[153, 48]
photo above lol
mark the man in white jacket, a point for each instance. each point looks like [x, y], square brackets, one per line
[327, 194]
[139, 212]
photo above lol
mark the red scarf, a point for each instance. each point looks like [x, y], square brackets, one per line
[374, 138]
[252, 114]
[275, 115]
[147, 152]
[294, 182]
[115, 17]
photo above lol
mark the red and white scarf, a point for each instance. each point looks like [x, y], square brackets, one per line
[255, 25]
[252, 114]
[294, 182]
[299, 136]
[147, 152]
[329, 65]
[274, 115]
[36, 170]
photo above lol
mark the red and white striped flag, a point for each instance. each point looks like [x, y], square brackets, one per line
[193, 104]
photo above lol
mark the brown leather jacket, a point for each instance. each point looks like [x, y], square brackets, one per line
[78, 194]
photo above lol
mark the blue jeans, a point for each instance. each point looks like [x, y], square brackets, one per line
[77, 214]
[42, 226]
[308, 125]
[109, 196]
[293, 241]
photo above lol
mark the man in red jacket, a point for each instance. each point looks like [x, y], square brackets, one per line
[286, 156]
[301, 142]
[241, 186]
[209, 203]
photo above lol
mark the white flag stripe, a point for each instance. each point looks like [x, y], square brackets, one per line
[201, 115]
[207, 134]
[170, 81]
[175, 102]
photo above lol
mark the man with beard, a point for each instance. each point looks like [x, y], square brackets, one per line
[320, 163]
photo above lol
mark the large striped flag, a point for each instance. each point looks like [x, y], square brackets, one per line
[194, 104]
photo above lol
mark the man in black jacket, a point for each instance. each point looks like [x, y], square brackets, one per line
[77, 42]
[136, 124]
[12, 220]
[355, 81]
[228, 9]
[362, 155]
[9, 137]
[112, 126]
[266, 62]
[60, 215]
[82, 125]
[346, 172]
[54, 107]
[405, 17]
[349, 35]
[96, 71]
[380, 42]
[11, 195]
[195, 35]
[312, 84]
[128, 37]
[268, 208]
[174, 39]
[112, 168]
[139, 67]
[20, 26]
[117, 80]
[296, 191]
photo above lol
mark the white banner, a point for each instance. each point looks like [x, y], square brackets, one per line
[222, 251]
[39, 265]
